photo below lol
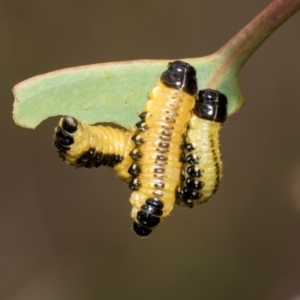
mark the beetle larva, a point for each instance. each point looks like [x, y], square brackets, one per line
[202, 172]
[159, 139]
[83, 145]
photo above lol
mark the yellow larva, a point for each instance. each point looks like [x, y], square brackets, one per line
[202, 172]
[159, 140]
[82, 145]
[173, 153]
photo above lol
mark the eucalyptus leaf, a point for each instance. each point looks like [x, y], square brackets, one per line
[109, 92]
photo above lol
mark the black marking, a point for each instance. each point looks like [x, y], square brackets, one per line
[211, 105]
[170, 119]
[141, 126]
[162, 150]
[180, 75]
[192, 159]
[63, 137]
[191, 170]
[194, 183]
[61, 148]
[141, 230]
[155, 202]
[166, 133]
[188, 146]
[165, 138]
[162, 157]
[143, 115]
[151, 209]
[138, 140]
[163, 144]
[86, 157]
[134, 184]
[69, 124]
[188, 194]
[147, 219]
[135, 154]
[91, 159]
[159, 170]
[134, 170]
[159, 176]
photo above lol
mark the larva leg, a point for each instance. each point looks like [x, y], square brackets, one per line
[202, 171]
[82, 145]
[158, 146]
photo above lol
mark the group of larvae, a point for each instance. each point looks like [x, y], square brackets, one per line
[172, 155]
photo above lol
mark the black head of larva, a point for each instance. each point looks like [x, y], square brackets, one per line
[211, 105]
[69, 124]
[180, 75]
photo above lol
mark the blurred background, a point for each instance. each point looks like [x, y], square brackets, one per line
[66, 233]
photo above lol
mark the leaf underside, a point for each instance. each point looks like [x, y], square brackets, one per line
[109, 92]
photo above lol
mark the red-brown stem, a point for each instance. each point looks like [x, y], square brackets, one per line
[241, 46]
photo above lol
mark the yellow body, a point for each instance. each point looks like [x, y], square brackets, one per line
[104, 139]
[168, 112]
[204, 136]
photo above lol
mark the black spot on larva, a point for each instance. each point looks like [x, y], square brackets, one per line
[147, 219]
[170, 119]
[165, 138]
[69, 124]
[135, 154]
[141, 230]
[192, 159]
[162, 150]
[180, 75]
[61, 148]
[166, 133]
[151, 209]
[91, 159]
[161, 157]
[184, 196]
[194, 183]
[211, 105]
[137, 139]
[134, 170]
[141, 126]
[63, 137]
[191, 170]
[112, 159]
[163, 144]
[134, 184]
[159, 184]
[188, 193]
[85, 157]
[189, 147]
[143, 115]
[155, 202]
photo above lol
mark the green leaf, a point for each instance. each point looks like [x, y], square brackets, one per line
[110, 92]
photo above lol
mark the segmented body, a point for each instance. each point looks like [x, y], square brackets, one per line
[173, 153]
[202, 172]
[82, 145]
[159, 140]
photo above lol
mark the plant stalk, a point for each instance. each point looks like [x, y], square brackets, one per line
[240, 47]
